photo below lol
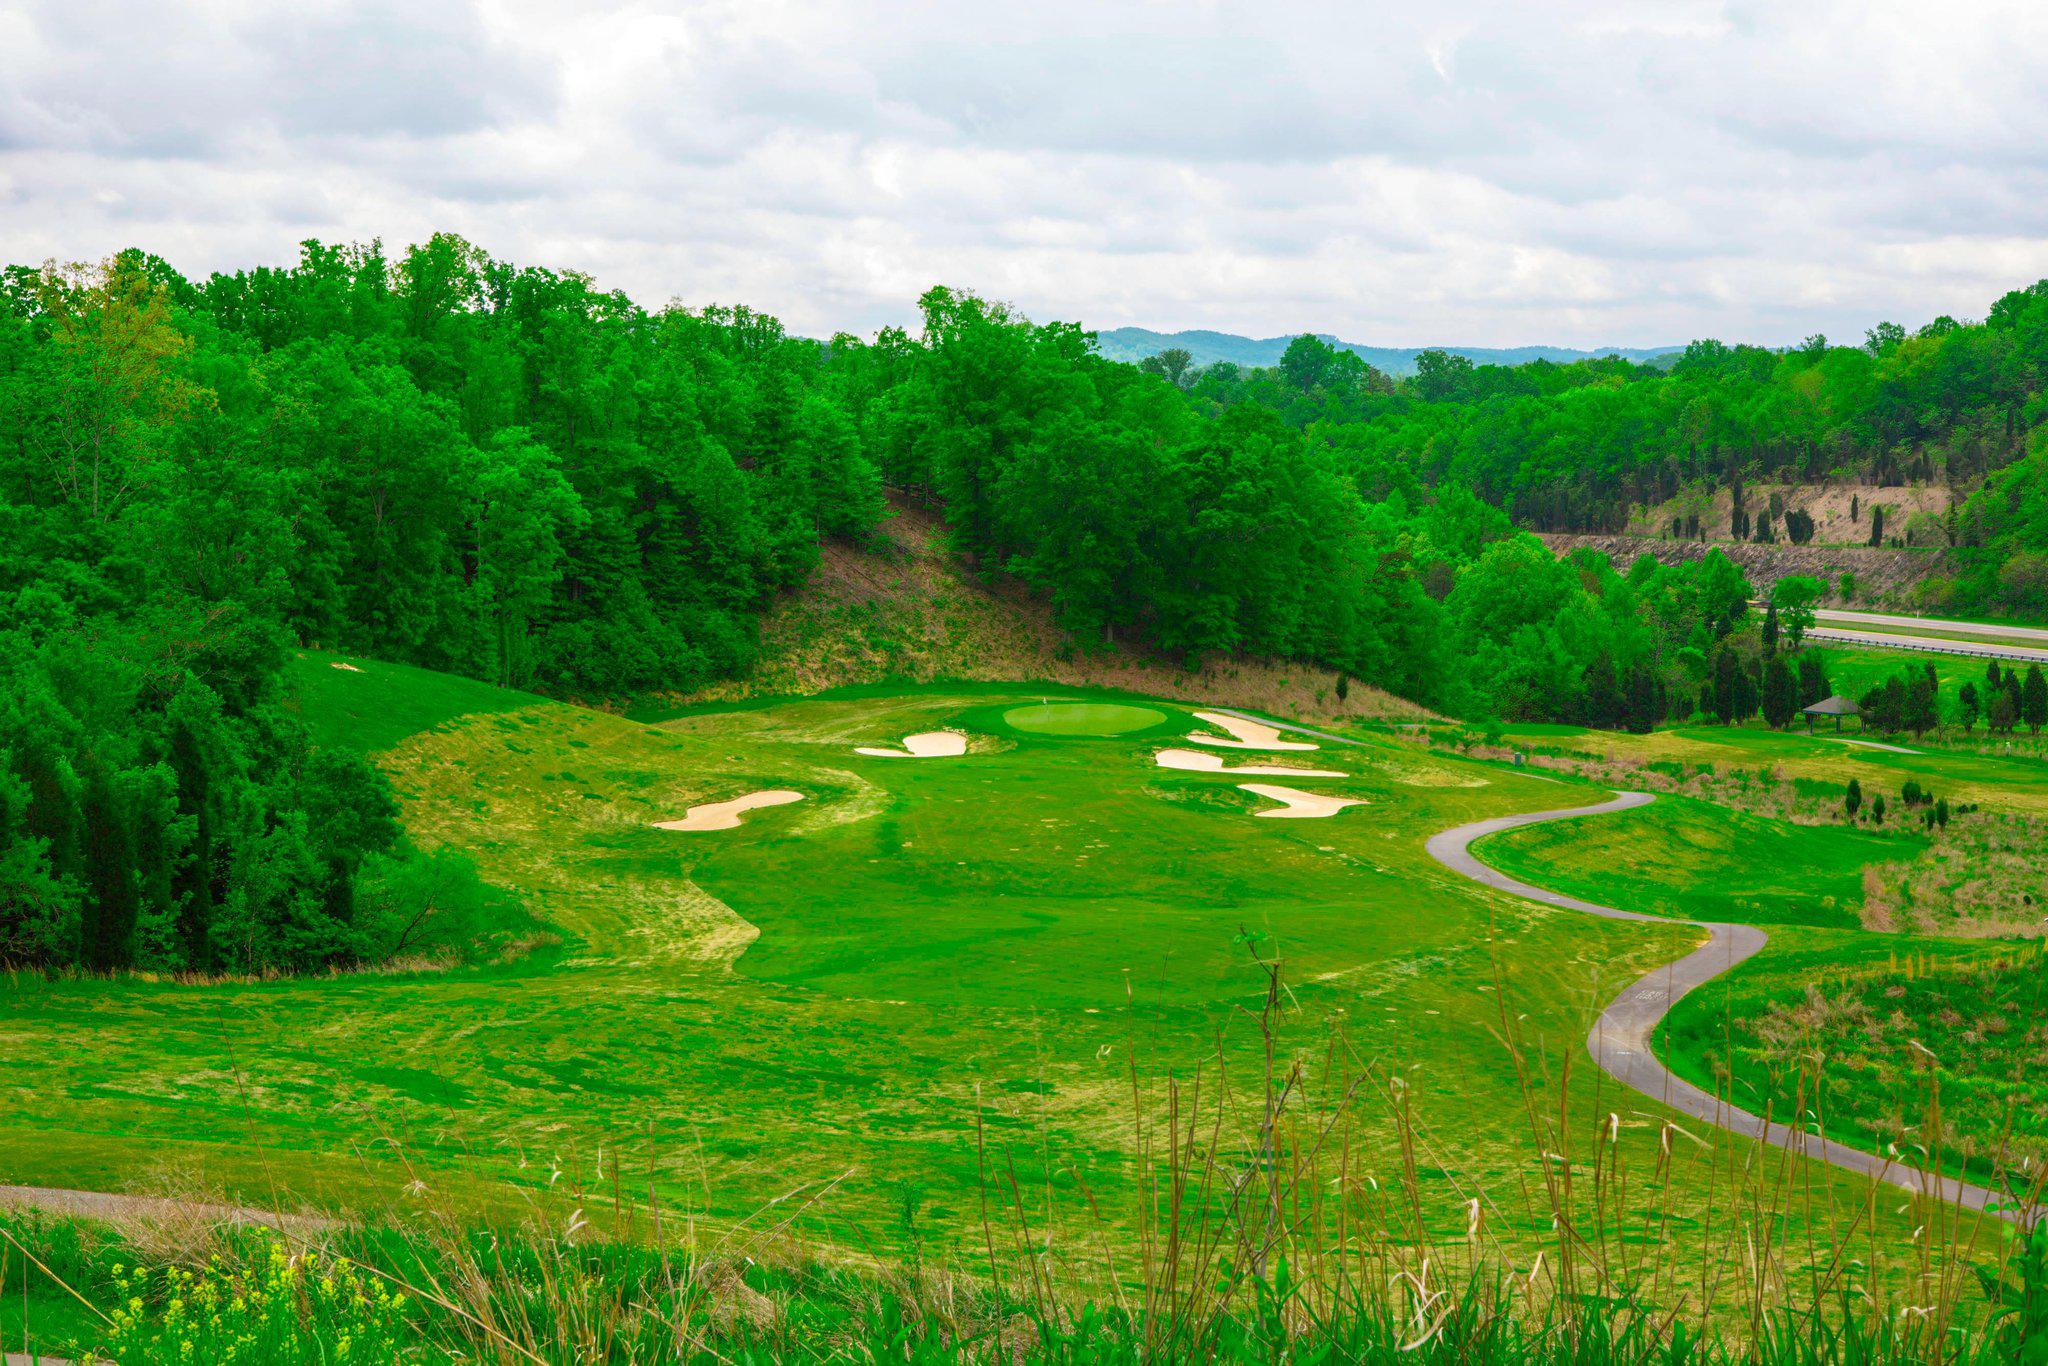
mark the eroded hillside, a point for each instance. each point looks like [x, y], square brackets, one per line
[906, 610]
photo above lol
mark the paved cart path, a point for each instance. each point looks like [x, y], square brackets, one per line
[1620, 1039]
[110, 1207]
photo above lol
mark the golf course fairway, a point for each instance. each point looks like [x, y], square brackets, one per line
[847, 1006]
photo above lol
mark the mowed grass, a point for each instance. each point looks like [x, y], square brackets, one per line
[1995, 781]
[369, 705]
[1082, 718]
[841, 1011]
[1854, 670]
[1693, 860]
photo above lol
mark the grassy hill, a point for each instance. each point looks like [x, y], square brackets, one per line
[1006, 976]
[841, 992]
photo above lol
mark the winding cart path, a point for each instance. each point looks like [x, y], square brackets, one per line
[1620, 1038]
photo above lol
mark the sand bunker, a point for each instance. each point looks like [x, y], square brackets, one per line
[1247, 734]
[1299, 805]
[726, 815]
[1194, 761]
[350, 667]
[930, 744]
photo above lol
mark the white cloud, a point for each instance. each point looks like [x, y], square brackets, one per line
[1584, 171]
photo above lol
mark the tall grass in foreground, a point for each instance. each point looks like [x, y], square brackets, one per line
[1260, 1233]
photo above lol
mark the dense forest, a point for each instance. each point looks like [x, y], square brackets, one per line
[1571, 447]
[503, 471]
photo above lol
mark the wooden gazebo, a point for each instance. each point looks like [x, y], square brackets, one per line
[1837, 707]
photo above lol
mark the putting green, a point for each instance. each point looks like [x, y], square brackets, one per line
[1082, 718]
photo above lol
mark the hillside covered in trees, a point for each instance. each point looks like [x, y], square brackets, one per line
[451, 461]
[1571, 447]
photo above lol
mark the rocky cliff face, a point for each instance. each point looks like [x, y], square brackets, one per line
[1882, 574]
[1840, 512]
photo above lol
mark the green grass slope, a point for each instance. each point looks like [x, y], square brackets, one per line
[1997, 781]
[844, 1009]
[847, 985]
[1932, 1049]
[369, 705]
[1689, 859]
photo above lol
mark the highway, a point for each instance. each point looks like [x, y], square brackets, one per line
[1864, 621]
[1976, 649]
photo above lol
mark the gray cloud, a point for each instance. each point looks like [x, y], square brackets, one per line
[126, 77]
[1584, 171]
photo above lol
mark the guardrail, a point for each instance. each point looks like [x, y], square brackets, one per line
[1968, 649]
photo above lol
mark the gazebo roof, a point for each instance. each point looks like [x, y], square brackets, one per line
[1833, 706]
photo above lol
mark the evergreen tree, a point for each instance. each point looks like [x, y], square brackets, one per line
[1645, 700]
[1778, 693]
[1605, 706]
[197, 882]
[1724, 689]
[1923, 703]
[112, 903]
[1852, 799]
[159, 837]
[1813, 681]
[2003, 713]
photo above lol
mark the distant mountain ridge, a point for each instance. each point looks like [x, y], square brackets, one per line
[1136, 343]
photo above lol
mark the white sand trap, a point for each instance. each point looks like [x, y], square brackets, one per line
[726, 815]
[1299, 805]
[1248, 734]
[930, 744]
[1194, 761]
[338, 664]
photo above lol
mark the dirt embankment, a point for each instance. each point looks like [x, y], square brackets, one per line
[906, 610]
[1840, 512]
[1883, 575]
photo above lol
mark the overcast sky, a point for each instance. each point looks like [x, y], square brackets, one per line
[1630, 172]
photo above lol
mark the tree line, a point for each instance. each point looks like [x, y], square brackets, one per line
[445, 459]
[1575, 447]
[437, 458]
